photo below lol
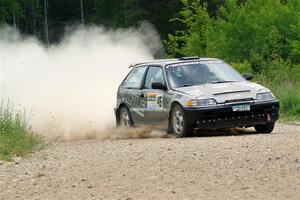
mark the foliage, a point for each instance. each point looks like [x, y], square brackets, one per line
[16, 139]
[256, 31]
[192, 40]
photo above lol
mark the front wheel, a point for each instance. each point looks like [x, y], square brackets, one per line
[265, 128]
[125, 119]
[179, 125]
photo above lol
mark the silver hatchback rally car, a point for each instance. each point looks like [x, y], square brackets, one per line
[187, 93]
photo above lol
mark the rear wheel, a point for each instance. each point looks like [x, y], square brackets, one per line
[265, 128]
[179, 125]
[125, 118]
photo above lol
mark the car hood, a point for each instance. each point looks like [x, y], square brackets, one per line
[224, 92]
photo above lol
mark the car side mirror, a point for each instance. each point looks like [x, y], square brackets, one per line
[159, 86]
[248, 77]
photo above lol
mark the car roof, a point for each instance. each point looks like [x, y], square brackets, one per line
[164, 62]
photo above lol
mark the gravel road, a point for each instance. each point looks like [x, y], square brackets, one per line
[212, 165]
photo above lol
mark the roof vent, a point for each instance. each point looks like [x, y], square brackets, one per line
[189, 58]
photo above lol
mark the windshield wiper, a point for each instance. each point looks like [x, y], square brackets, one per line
[217, 82]
[186, 85]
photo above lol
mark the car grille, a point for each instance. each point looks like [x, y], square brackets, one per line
[236, 101]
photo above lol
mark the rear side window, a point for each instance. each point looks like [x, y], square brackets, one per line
[134, 79]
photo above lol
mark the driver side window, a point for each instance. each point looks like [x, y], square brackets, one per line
[154, 75]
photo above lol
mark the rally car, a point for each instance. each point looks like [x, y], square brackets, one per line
[187, 93]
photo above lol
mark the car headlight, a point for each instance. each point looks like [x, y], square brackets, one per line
[265, 96]
[201, 102]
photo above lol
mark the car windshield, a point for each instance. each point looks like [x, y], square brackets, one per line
[201, 72]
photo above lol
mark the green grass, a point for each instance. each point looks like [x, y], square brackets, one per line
[16, 139]
[290, 119]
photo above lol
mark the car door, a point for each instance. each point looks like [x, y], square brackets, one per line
[156, 111]
[131, 90]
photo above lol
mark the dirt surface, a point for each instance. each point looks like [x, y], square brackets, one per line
[212, 165]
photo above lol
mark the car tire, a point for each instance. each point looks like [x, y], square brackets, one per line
[265, 128]
[179, 126]
[125, 119]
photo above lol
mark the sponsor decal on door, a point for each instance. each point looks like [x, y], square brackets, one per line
[154, 101]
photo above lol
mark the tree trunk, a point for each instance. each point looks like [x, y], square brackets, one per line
[82, 13]
[46, 22]
[14, 18]
[33, 20]
[34, 16]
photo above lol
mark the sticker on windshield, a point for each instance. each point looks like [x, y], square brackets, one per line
[154, 101]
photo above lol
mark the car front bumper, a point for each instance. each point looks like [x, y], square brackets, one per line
[224, 117]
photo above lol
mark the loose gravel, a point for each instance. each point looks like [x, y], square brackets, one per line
[213, 165]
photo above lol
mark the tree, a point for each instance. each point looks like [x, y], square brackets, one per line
[193, 39]
[256, 31]
[46, 22]
[82, 13]
[295, 41]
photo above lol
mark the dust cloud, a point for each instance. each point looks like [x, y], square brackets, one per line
[69, 89]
